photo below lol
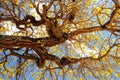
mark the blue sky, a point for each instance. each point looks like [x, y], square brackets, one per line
[28, 77]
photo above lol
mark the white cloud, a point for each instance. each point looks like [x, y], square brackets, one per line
[11, 27]
[33, 11]
[84, 51]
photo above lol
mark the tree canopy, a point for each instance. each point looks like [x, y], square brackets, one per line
[59, 39]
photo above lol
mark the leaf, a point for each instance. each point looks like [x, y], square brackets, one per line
[30, 5]
[1, 65]
[81, 78]
[12, 74]
[118, 75]
[1, 50]
[107, 73]
[52, 71]
[111, 69]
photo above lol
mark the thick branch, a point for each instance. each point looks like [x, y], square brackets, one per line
[69, 61]
[92, 29]
[21, 40]
[24, 56]
[87, 30]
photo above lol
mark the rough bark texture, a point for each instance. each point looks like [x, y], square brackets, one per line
[55, 35]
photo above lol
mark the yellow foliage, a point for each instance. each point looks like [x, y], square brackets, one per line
[60, 72]
[118, 75]
[12, 74]
[0, 50]
[64, 69]
[98, 9]
[24, 7]
[106, 59]
[88, 2]
[41, 75]
[118, 63]
[16, 2]
[94, 1]
[111, 69]
[107, 73]
[3, 29]
[108, 11]
[0, 13]
[1, 65]
[81, 78]
[86, 38]
[52, 71]
[95, 56]
[4, 72]
[30, 5]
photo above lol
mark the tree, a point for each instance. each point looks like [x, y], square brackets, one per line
[59, 39]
